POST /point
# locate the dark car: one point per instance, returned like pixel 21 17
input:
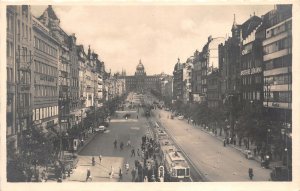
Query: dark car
pixel 105 124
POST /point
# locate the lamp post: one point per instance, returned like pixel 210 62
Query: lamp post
pixel 60 132
pixel 268 134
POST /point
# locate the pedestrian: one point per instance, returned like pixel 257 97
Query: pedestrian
pixel 132 152
pixel 88 175
pixel 138 152
pixel 136 163
pixel 250 172
pixel 145 179
pixel 127 167
pixel 121 145
pixel 111 174
pixel 100 159
pixel 137 117
pixel 224 142
pixel 93 161
pixel 120 174
pixel 128 143
pixel 133 173
pixel 115 144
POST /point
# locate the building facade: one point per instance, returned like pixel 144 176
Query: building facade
pixel 251 67
pixel 277 58
pixel 213 89
pixel 187 80
pixel 46 52
pixel 19 72
pixel 140 82
pixel 178 81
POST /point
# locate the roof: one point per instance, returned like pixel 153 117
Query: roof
pixel 140 66
pixel 248 26
pixel 50 12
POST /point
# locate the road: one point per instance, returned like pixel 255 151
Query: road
pixel 102 144
pixel 216 162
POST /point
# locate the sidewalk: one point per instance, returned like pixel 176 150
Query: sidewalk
pixel 221 138
pixel 111 157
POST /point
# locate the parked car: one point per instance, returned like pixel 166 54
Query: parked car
pixel 248 154
pixel 126 115
pixel 105 124
pixel 180 117
pixel 101 129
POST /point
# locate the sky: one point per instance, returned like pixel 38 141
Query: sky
pixel 157 34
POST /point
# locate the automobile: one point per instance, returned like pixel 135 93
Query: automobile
pixel 248 154
pixel 167 109
pixel 101 129
pixel 127 115
pixel 104 123
pixel 180 117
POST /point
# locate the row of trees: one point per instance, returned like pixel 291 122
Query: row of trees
pixel 41 147
pixel 247 121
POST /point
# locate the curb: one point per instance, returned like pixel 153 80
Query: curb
pixel 232 146
pixel 86 143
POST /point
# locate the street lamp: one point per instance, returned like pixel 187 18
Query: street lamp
pixel 268 134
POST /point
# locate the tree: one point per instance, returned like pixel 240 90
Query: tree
pixel 37 148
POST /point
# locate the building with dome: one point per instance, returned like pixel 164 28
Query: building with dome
pixel 140 82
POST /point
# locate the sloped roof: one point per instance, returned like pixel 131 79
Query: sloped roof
pixel 248 26
pixel 50 12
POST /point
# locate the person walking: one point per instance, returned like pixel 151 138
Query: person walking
pixel 138 152
pixel 132 152
pixel 100 159
pixel 127 167
pixel 250 172
pixel 88 175
pixel 115 144
pixel 120 174
pixel 111 174
pixel 121 145
pixel 128 143
pixel 93 161
pixel 133 173
pixel 145 179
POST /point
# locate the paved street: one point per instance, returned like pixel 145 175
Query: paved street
pixel 122 130
pixel 216 162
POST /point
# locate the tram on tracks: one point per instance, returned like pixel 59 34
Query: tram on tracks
pixel 176 167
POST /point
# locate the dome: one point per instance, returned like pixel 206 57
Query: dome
pixel 140 66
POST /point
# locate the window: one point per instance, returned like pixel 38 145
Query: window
pixel 37 114
pixel 23 29
pixel 26 33
pixel 30 34
pixel 33 115
pixel 7 49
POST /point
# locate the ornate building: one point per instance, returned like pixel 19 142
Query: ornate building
pixel 140 82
